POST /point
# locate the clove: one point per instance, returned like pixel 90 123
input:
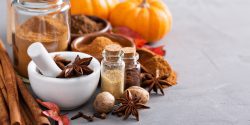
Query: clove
pixel 101 116
pixel 76 116
pixel 80 114
pixel 118 114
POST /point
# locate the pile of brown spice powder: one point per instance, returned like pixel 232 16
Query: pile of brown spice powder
pixel 81 24
pixel 96 47
pixel 153 62
pixel 157 62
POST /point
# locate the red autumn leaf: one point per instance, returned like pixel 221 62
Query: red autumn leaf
pixel 49 105
pixel 138 39
pixel 139 43
pixel 54 112
pixel 158 50
pixel 61 119
pixel 65 120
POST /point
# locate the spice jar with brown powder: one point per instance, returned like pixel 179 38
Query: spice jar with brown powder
pixel 112 70
pixel 132 67
pixel 39 21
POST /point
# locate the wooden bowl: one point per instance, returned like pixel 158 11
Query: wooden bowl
pixel 87 40
pixel 106 23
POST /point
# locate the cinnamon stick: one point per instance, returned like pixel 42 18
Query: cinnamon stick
pixel 32 104
pixel 26 114
pixel 4 93
pixel 11 88
pixel 8 64
pixel 4 116
pixel 25 106
pixel 2 86
pixel 25 119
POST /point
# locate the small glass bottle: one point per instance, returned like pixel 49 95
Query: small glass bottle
pixel 112 70
pixel 10 23
pixel 132 67
pixel 45 21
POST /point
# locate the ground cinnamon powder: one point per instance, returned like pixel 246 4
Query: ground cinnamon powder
pixel 153 62
pixel 53 33
pixel 81 24
pixel 157 62
pixel 96 47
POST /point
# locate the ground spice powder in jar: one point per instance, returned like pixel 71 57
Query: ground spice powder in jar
pixel 132 67
pixel 112 70
pixel 113 82
pixel 132 77
pixel 53 34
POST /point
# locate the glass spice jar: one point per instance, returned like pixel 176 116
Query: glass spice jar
pixel 132 67
pixel 45 21
pixel 112 70
pixel 9 22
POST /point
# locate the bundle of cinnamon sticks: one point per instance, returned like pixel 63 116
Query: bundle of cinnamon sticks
pixel 17 105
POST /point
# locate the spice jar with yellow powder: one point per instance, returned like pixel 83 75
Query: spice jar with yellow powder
pixel 39 21
pixel 112 70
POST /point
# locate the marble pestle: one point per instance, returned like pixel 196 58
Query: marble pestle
pixel 44 62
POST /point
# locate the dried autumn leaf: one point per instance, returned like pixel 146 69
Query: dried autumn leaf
pixel 61 119
pixel 49 105
pixel 65 120
pixel 139 41
pixel 157 50
pixel 54 112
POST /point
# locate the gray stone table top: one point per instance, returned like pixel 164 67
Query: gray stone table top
pixel 209 47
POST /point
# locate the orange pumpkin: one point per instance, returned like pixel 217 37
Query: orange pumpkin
pixel 150 18
pixel 100 8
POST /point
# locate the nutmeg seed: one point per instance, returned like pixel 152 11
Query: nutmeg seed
pixel 140 92
pixel 104 102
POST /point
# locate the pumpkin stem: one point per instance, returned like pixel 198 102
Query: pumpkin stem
pixel 144 4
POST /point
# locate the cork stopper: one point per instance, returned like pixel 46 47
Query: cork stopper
pixel 129 52
pixel 113 49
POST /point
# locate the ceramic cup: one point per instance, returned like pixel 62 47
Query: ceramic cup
pixel 67 93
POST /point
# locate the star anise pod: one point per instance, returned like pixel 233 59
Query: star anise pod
pixel 129 106
pixel 77 68
pixel 61 62
pixel 154 83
